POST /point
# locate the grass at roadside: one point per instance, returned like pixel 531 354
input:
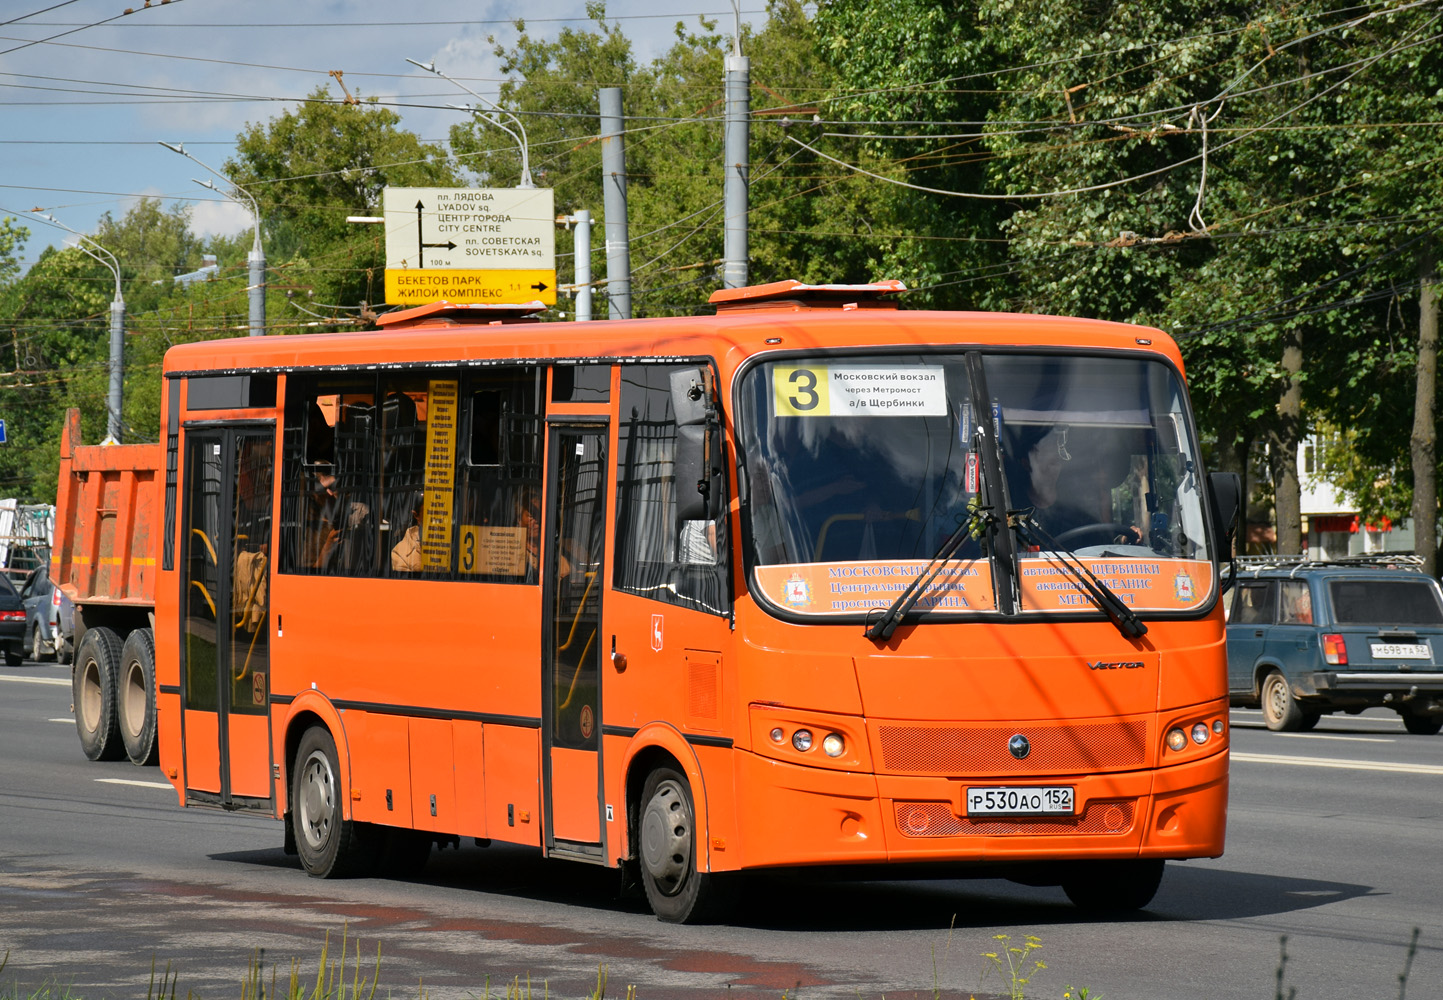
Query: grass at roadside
pixel 1011 966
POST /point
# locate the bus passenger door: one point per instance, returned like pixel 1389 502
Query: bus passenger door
pixel 573 579
pixel 225 630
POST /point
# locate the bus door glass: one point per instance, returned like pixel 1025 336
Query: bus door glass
pixel 225 651
pixel 573 580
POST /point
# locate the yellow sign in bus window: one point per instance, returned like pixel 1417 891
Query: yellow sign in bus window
pixel 441 412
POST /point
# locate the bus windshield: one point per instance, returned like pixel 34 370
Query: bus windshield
pixel 859 468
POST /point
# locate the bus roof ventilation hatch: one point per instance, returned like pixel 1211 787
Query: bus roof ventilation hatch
pixel 793 296
pixel 445 313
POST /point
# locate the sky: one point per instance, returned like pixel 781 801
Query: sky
pixel 88 93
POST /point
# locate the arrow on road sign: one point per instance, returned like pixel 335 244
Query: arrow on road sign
pixel 419 238
pixel 540 286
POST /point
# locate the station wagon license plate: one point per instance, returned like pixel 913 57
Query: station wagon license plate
pixel 1400 651
pixel 1031 800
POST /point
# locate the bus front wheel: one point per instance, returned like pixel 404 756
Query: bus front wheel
pixel 329 845
pixel 678 891
pixel 1113 886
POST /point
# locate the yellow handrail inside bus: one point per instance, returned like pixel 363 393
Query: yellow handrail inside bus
pixel 571 691
pixel 206 594
pixel 575 622
pixel 211 548
pixel 258 579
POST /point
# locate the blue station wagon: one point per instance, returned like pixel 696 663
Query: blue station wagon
pixel 1309 638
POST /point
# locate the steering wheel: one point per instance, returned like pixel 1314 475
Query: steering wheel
pixel 1098 533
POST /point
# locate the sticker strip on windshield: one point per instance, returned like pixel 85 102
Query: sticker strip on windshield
pixel 859 391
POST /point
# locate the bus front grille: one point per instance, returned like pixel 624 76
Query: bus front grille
pixel 936 819
pixel 982 750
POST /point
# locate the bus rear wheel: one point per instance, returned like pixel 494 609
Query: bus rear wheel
pixel 329 845
pixel 92 689
pixel 1113 886
pixel 677 890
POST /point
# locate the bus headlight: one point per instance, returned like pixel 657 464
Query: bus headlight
pixel 777 735
pixel 1200 733
pixel 1176 739
pixel 802 740
pixel 834 745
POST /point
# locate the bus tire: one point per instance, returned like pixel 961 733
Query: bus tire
pixel 329 845
pixel 135 698
pixel 1281 711
pixel 92 689
pixel 678 891
pixel 1113 886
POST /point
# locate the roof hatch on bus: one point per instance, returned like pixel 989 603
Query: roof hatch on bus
pixel 444 313
pixel 793 296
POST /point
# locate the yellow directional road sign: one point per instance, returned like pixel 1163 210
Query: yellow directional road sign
pixel 407 287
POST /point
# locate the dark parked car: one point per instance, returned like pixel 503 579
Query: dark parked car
pixel 12 623
pixel 1308 638
pixel 49 618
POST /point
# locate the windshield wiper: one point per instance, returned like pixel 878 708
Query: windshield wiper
pixel 978 517
pixel 1126 620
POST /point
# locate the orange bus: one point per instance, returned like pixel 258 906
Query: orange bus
pixel 816 581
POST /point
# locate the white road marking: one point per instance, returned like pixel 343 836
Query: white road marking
pixel 1339 763
pixel 68 722
pixel 59 681
pixel 1329 736
pixel 127 781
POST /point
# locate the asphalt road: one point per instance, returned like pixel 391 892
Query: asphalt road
pixel 1333 841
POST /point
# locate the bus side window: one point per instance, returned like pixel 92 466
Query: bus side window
pixel 402 472
pixel 653 559
pixel 498 478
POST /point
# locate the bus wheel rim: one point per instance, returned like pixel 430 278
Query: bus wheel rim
pixel 666 837
pixel 317 796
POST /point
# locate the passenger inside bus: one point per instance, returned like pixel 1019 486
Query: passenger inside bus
pixel 1039 477
pixel 406 553
pixel 1043 451
pixel 335 526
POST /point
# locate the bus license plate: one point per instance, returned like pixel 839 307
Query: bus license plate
pixel 1048 800
pixel 1401 651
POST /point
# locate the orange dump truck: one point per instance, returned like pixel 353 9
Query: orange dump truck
pixel 107 512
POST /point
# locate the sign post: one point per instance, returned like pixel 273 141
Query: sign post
pixel 465 245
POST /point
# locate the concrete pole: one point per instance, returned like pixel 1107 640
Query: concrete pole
pixel 581 250
pixel 613 184
pixel 257 289
pixel 738 170
pixel 117 368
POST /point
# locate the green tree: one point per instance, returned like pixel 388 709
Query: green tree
pixel 312 167
pixel 809 218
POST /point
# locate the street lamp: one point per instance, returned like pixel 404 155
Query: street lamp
pixel 257 256
pixel 117 329
pixel 491 119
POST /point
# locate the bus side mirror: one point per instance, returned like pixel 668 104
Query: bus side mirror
pixel 697 467
pixel 1225 491
pixel 690 400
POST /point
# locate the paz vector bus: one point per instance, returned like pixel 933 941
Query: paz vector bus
pixel 815 581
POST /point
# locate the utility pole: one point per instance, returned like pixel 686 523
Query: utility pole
pixel 581 251
pixel 256 289
pixel 613 183
pixel 116 367
pixel 738 166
